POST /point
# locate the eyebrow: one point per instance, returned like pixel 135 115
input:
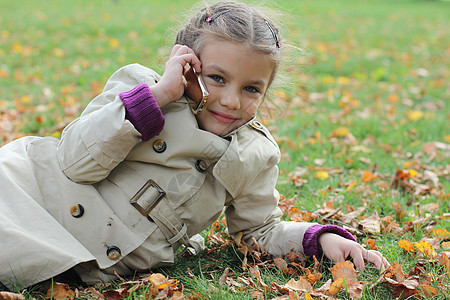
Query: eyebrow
pixel 223 71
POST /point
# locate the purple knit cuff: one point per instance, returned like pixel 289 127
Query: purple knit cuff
pixel 143 111
pixel 311 238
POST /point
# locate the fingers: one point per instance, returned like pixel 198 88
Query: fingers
pixel 377 259
pixel 358 258
pixel 183 55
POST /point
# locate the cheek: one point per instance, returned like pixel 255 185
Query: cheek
pixel 250 108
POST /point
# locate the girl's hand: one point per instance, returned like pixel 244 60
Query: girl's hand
pixel 171 87
pixel 337 248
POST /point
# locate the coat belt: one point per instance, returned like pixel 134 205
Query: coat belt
pixel 150 200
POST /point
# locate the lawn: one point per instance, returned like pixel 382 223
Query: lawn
pixel 360 112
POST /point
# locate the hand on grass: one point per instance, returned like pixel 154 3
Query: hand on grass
pixel 337 248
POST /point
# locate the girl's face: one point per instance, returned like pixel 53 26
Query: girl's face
pixel 237 79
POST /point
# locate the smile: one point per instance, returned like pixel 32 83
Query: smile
pixel 223 118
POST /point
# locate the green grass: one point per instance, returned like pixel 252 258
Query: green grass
pixel 359 57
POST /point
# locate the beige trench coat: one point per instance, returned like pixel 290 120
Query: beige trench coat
pixel 67 203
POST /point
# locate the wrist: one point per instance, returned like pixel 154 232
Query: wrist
pixel 162 96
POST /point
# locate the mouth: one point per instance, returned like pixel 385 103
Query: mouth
pixel 223 117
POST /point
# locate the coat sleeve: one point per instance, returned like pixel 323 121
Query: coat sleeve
pixel 96 142
pixel 255 213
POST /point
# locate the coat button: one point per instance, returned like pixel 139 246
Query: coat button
pixel 159 146
pixel 201 165
pixel 113 252
pixel 77 210
pixel 256 124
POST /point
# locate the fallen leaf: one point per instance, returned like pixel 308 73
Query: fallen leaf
pixel 399 212
pixel 11 296
pixel 115 294
pixel 367 176
pixel 322 175
pixel 372 244
pixel 426 248
pixel 340 132
pixel 406 245
pixel 298 285
pixel 346 271
pixel 335 287
pixel 60 291
pixel 371 224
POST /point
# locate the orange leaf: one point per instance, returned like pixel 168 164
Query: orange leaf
pixel 344 270
pixel 367 176
pixel 372 244
pixel 407 245
pixel 340 132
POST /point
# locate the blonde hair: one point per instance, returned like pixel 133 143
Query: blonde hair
pixel 236 22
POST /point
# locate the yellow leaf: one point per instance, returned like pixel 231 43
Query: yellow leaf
pixel 406 245
pixel 343 80
pixel 114 43
pixel 17 47
pixel 425 247
pixel 308 296
pixel 351 185
pixel 5 33
pixel 340 132
pixel 58 52
pixel 335 287
pixel 414 115
pixel 322 175
pixel 440 232
pixel 413 172
pixel 447 138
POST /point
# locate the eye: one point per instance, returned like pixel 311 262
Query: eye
pixel 216 78
pixel 251 89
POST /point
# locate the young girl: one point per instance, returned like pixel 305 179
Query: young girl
pixel 139 174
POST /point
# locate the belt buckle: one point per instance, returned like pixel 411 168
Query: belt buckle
pixel 146 206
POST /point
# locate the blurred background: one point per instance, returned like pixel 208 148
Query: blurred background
pixel 55 56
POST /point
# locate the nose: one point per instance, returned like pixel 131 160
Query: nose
pixel 230 99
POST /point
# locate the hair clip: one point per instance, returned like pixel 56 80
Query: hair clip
pixel 275 37
pixel 210 19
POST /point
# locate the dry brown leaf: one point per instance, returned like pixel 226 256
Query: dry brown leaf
pixel 11 296
pixel 115 294
pixel 346 271
pixel 223 278
pixel 371 224
pixel 399 212
pixel 280 263
pixel 60 291
pixel 429 292
pixel 298 285
pixel 257 274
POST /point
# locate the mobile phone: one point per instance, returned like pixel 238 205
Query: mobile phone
pixel 195 90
